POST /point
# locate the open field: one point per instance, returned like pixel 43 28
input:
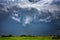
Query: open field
pixel 27 38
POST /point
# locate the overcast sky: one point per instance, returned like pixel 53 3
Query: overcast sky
pixel 29 17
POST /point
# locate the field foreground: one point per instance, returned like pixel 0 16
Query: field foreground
pixel 27 38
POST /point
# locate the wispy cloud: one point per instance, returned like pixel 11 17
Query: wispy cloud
pixel 27 20
pixel 16 19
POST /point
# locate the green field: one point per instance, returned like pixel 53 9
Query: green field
pixel 27 38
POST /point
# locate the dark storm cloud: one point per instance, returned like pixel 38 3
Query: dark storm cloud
pixel 9 26
pixel 56 2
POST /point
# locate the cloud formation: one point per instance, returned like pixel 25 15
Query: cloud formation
pixel 41 11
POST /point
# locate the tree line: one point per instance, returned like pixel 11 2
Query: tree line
pixel 53 36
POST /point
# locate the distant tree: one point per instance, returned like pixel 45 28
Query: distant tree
pixel 56 37
pixel 9 35
pixel 23 35
pixel 27 36
pixel 3 36
pixel 6 36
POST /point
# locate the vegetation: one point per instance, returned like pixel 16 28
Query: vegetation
pixel 56 37
pixel 6 36
pixel 26 38
pixel 29 37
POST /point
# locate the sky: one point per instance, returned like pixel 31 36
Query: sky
pixel 29 17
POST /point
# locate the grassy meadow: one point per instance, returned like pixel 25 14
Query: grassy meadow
pixel 28 38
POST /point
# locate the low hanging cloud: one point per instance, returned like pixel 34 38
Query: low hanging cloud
pixel 43 10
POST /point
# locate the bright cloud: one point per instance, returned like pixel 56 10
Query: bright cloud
pixel 27 20
pixel 16 19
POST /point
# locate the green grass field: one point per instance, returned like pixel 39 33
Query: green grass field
pixel 27 38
